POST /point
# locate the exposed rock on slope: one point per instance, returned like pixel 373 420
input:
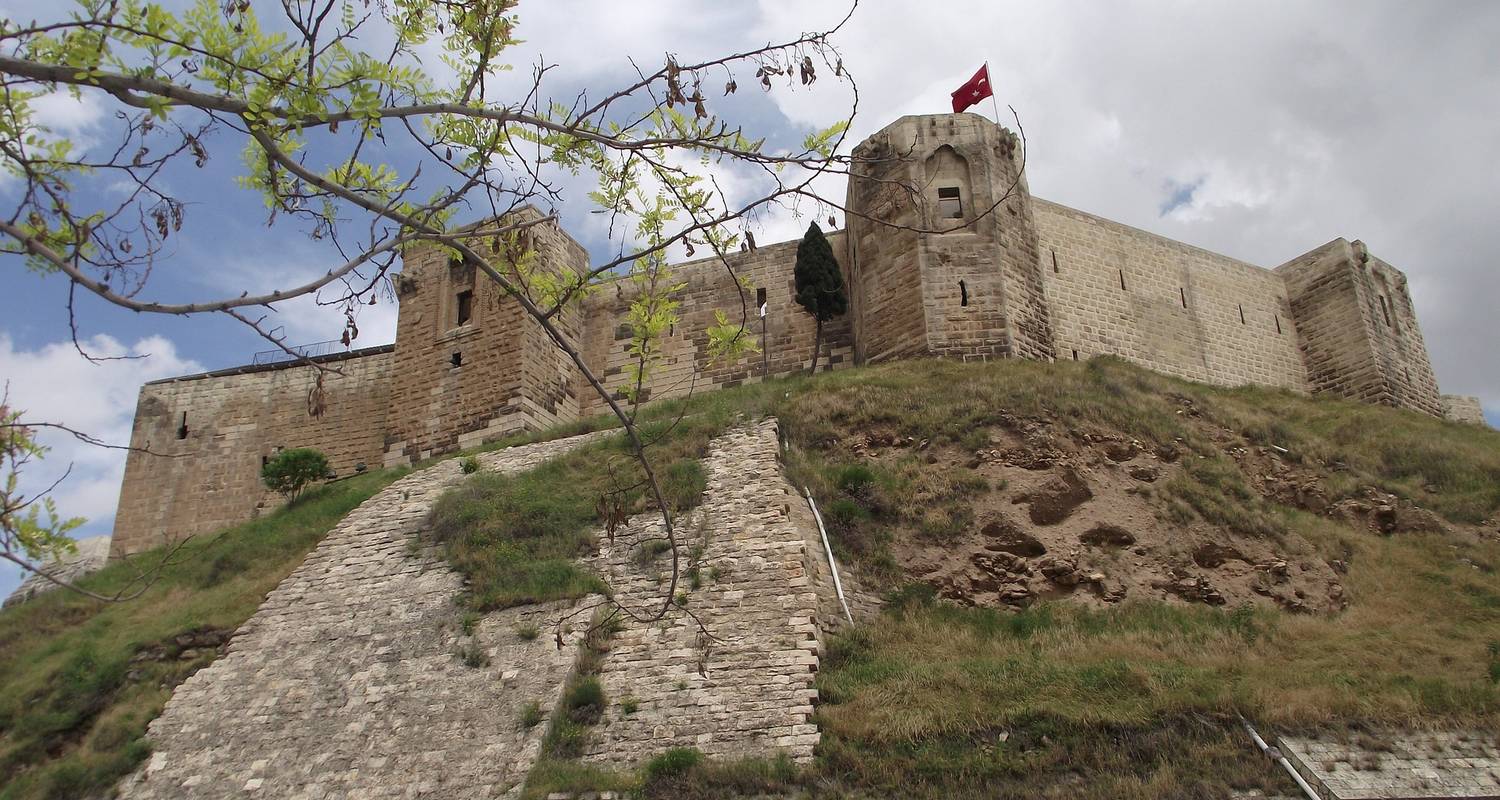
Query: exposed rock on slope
pixel 1075 514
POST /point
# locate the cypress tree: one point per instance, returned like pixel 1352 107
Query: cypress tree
pixel 819 284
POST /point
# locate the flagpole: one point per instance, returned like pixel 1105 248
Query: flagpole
pixel 991 79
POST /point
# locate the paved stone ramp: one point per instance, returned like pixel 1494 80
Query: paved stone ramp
pixel 1408 766
pixel 750 693
pixel 347 682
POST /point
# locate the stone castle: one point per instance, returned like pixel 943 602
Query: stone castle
pixel 937 259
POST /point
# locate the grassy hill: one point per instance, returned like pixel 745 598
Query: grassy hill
pixel 1372 598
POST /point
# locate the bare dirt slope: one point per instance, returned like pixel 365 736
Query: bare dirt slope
pixel 1072 511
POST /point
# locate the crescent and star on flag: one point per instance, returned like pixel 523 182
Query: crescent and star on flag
pixel 975 89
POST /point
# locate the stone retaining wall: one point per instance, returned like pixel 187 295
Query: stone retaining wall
pixel 743 684
pixel 347 682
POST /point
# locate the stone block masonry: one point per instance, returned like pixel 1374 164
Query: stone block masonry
pixel 1463 408
pixel 347 682
pixel 946 253
pixel 1390 765
pixel 742 685
pixel 200 441
pixel 1177 309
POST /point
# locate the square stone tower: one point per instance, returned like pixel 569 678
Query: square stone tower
pixel 470 365
pixel 942 248
pixel 1357 328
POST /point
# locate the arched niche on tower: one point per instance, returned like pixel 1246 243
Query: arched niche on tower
pixel 949 192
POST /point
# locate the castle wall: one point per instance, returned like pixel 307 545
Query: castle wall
pixel 1180 310
pixel 211 432
pixel 1395 336
pixel 946 253
pixel 883 256
pixel 1463 408
pixel 458 384
pixel 1357 328
pixel 709 287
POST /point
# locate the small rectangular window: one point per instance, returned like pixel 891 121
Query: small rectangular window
pixel 457 360
pixel 182 430
pixel 1075 355
pixel 963 294
pixel 950 203
pixel 1385 311
pixel 465 307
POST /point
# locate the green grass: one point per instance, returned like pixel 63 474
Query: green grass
pixel 517 538
pixel 1450 469
pixel 930 701
pixel 1140 700
pixel 72 717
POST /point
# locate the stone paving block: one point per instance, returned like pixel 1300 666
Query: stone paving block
pixel 347 682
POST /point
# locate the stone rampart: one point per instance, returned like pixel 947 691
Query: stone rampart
pixel 742 684
pixel 1172 307
pixel 471 366
pixel 1463 408
pixel 946 253
pixel 711 285
pixel 200 441
pixel 349 682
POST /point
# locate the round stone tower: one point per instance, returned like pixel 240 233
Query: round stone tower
pixel 942 248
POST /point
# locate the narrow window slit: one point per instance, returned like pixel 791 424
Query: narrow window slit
pixel 465 305
pixel 1385 311
pixel 1122 280
pixel 1277 317
pixel 1054 260
pixel 182 430
pixel 1181 292
pixel 1075 355
pixel 1242 314
pixel 963 293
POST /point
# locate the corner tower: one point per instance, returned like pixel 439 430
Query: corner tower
pixel 1357 328
pixel 942 247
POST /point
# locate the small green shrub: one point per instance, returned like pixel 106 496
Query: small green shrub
pixel 290 471
pixel 648 551
pixel 532 715
pixel 855 480
pixel 527 632
pixel 469 465
pixel 630 705
pixel 473 655
pixel 673 763
pixel 469 621
pixel 585 701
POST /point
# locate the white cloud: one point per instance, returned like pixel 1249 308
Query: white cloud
pixel 53 383
pixel 63 113
pixel 309 318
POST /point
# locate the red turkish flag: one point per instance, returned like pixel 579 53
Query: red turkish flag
pixel 975 90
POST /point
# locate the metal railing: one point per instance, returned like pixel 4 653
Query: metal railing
pixel 300 351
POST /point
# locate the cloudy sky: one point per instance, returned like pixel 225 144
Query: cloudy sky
pixel 1260 130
